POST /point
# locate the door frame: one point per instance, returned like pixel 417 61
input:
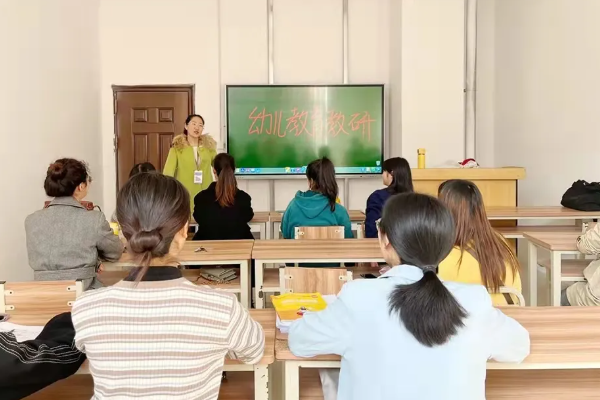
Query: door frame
pixel 116 89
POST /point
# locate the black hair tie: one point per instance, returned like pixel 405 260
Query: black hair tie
pixel 429 268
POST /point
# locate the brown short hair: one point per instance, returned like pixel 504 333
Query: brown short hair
pixel 64 175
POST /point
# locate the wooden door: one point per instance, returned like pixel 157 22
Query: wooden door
pixel 146 120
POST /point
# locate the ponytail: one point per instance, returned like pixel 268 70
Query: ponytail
pixel 420 230
pixel 226 187
pixel 427 310
pixel 321 173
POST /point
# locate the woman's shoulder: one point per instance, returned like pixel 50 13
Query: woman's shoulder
pixel 90 297
pixel 379 195
pixel 202 292
pixel 457 255
pixel 340 209
pixel 208 142
pixel 179 142
pixel 242 195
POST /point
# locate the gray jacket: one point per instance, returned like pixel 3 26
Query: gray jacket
pixel 65 242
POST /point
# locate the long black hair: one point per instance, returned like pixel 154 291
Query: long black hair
pixel 399 168
pixel 421 231
pixel 141 168
pixel 321 174
pixel 226 187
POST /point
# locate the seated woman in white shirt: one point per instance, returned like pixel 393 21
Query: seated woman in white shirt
pixel 408 335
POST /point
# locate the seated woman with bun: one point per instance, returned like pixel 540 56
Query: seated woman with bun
pixel 65 241
pixel 155 334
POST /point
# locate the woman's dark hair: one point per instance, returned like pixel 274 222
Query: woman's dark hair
pixel 189 119
pixel 321 174
pixel 399 168
pixel 226 188
pixel 475 234
pixel 421 231
pixel 141 168
pixel 151 209
pixel 64 175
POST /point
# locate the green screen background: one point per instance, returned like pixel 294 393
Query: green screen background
pixel 261 135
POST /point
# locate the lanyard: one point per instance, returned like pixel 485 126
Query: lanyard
pixel 197 158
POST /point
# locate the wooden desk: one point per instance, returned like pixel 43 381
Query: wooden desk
pixel 517 232
pixel 261 221
pixel 533 213
pixel 561 339
pixel 218 252
pixel 109 278
pixel 357 218
pixel 307 251
pixel 558 244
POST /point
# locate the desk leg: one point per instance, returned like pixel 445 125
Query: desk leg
pixel 259 280
pixel 276 229
pixel 261 382
pixel 360 231
pixel 533 263
pixel 245 284
pixel 268 234
pixel 291 380
pixel 555 278
pixel 263 231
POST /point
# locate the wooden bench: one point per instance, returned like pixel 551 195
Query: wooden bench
pixel 35 303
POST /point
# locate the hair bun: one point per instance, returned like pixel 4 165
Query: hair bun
pixel 57 170
pixel 145 241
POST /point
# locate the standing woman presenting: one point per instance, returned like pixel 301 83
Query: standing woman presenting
pixel 191 156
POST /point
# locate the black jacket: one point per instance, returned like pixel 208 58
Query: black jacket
pixel 222 223
pixel 32 365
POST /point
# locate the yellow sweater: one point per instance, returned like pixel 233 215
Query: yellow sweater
pixel 468 272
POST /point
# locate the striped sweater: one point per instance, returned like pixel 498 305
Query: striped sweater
pixel 165 338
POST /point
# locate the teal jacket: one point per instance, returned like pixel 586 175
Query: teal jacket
pixel 312 209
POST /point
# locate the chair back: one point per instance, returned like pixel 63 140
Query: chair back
pixel 311 280
pixel 35 303
pixel 513 293
pixel 319 232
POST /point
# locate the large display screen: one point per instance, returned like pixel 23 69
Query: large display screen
pixel 278 130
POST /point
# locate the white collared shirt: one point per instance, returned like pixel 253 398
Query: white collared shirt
pixel 381 360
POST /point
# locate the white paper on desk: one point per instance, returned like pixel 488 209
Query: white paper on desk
pixel 21 332
pixel 284 326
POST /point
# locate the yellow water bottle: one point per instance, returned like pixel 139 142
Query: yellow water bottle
pixel 421 158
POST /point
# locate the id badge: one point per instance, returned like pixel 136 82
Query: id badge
pixel 198 177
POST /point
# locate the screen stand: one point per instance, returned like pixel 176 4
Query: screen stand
pixel 346 192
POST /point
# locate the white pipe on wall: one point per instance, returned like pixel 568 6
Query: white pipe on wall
pixel 470 74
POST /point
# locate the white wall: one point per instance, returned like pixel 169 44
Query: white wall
pixel 546 93
pixel 225 42
pixel 49 108
pixel 433 60
pixel 485 81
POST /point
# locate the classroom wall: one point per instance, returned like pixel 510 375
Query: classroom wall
pixel 433 76
pixel 49 108
pixel 547 58
pixel 211 43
